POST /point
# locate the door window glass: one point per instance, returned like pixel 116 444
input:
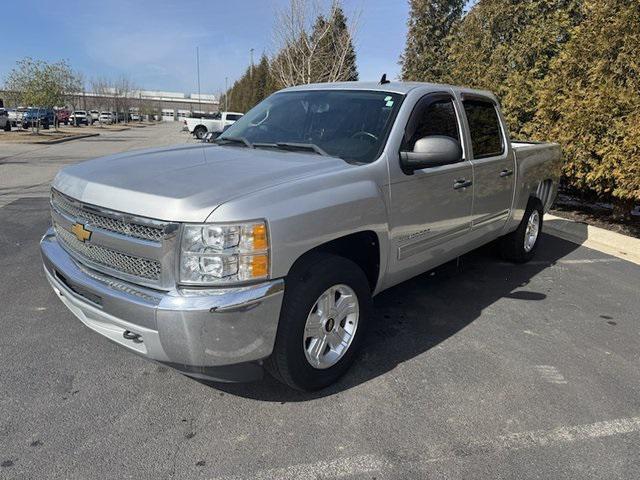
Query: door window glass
pixel 484 126
pixel 431 117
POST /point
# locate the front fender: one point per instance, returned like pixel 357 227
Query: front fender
pixel 306 213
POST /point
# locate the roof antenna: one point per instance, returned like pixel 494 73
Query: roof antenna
pixel 384 80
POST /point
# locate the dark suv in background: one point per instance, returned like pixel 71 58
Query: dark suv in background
pixel 46 117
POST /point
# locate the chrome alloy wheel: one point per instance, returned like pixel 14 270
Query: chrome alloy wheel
pixel 532 231
pixel 331 326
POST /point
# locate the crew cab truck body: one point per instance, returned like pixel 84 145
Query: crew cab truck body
pixel 265 249
pixel 199 126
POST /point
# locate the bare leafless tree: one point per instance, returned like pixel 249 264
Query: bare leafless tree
pixel 308 47
pixel 124 94
pixel 103 91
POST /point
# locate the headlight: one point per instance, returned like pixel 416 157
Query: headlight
pixel 224 253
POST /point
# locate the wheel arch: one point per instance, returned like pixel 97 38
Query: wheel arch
pixel 362 248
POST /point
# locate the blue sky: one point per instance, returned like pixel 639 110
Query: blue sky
pixel 153 41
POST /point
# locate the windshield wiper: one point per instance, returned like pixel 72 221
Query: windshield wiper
pixel 239 140
pixel 303 146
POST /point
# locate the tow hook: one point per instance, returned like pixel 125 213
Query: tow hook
pixel 135 337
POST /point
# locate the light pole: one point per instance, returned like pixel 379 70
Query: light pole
pixel 198 67
pixel 226 94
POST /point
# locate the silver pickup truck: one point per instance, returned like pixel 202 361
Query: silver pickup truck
pixel 264 249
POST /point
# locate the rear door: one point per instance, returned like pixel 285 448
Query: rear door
pixel 493 164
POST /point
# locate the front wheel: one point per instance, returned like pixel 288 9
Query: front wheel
pixel 325 310
pixel 520 246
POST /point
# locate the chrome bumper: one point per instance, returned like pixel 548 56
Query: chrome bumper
pixel 197 331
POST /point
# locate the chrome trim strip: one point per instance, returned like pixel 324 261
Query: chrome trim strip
pixel 113 241
pixel 162 251
pixel 109 271
pixel 492 217
pixel 114 214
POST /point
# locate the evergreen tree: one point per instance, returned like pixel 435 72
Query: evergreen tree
pixel 507 46
pixel 250 89
pixel 336 56
pixel 590 103
pixel 430 23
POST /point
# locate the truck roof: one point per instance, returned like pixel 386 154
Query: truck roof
pixel 394 87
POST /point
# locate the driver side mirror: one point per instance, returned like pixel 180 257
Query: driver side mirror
pixel 432 151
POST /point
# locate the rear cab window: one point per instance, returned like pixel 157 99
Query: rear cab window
pixel 485 129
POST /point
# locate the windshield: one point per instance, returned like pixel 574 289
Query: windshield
pixel 349 124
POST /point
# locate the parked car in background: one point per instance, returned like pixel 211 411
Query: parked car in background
pixel 135 117
pixel 106 118
pixel 62 116
pixel 16 115
pixel 5 123
pixel 201 125
pixel 265 250
pixel 79 117
pixel 45 117
pixel 94 116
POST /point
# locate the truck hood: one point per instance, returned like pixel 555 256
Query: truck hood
pixel 185 183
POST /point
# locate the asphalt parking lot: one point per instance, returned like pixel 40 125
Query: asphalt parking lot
pixel 481 369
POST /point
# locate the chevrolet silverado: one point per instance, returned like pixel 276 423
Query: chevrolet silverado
pixel 263 250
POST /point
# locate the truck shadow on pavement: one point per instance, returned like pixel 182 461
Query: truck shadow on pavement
pixel 419 314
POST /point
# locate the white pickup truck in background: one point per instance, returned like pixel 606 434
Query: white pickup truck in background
pixel 200 126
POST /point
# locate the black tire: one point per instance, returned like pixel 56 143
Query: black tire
pixel 512 245
pixel 199 132
pixel 7 126
pixel 306 282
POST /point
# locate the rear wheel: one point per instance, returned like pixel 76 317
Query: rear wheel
pixel 199 132
pixel 324 313
pixel 520 246
pixel 7 126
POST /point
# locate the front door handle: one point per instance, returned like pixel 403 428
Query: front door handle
pixel 506 173
pixel 462 183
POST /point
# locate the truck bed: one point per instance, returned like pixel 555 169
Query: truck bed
pixel 538 166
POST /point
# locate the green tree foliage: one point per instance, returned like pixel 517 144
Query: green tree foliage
pixel 590 102
pixel 335 59
pixel 254 85
pixel 41 84
pixel 507 46
pixel 430 23
pixel 565 70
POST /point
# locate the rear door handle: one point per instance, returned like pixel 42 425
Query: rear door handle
pixel 506 173
pixel 462 183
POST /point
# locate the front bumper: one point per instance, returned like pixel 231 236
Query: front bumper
pixel 217 334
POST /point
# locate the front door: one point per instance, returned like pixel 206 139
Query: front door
pixel 431 208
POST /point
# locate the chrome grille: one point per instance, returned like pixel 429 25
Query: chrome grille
pixel 137 266
pixel 128 228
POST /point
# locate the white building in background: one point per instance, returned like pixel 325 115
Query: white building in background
pixel 172 105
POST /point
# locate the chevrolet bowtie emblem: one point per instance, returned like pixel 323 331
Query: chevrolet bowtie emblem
pixel 80 232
